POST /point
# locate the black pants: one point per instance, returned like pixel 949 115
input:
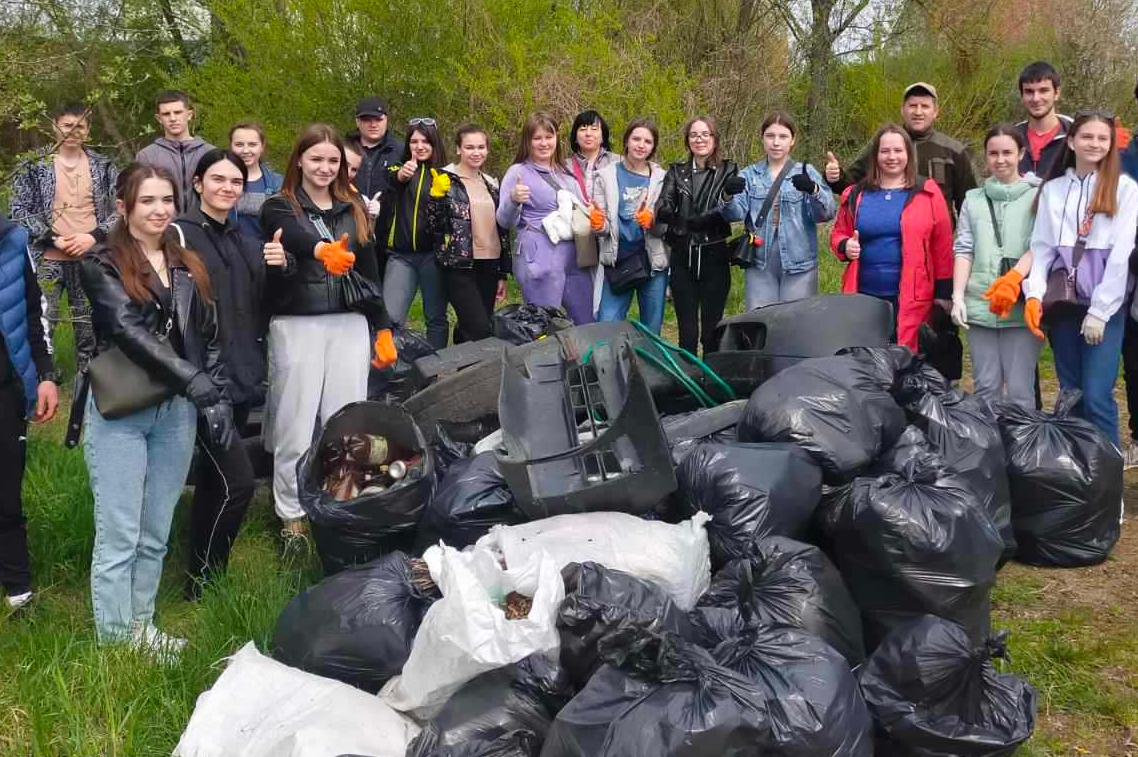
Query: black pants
pixel 15 566
pixel 470 291
pixel 699 293
pixel 1130 370
pixel 224 485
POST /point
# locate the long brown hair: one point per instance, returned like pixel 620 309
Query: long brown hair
pixel 714 160
pixel 341 188
pixel 1105 199
pixel 873 175
pixel 128 255
pixel 544 121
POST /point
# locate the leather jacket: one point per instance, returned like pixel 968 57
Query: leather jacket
pixel 132 326
pixel 677 205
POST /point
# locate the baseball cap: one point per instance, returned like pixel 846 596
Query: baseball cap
pixel 919 88
pixel 371 106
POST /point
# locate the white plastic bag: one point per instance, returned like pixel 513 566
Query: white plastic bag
pixel 466 632
pixel 262 708
pixel 674 557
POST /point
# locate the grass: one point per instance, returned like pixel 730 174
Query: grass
pixel 61 694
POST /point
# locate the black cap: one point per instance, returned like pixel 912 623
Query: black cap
pixel 371 106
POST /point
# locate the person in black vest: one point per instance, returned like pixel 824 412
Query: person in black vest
pixel 27 390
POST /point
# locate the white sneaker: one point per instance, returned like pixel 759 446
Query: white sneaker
pixel 146 637
pixel 1130 456
pixel 16 601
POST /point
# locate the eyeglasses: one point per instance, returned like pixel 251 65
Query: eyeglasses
pixel 1094 113
pixel 704 135
pixel 421 122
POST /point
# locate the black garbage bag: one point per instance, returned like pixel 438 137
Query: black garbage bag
pixel 751 491
pixel 784 583
pixel 660 696
pixel 487 715
pixel 398 382
pixel 470 500
pixel 815 707
pixel 836 408
pixel 598 600
pixel 933 692
pixel 448 449
pixel 912 541
pixel 356 626
pixel 359 530
pixel 524 323
pixel 714 424
pixel 1066 485
pixel 939 341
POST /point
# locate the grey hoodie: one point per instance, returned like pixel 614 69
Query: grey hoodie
pixel 180 159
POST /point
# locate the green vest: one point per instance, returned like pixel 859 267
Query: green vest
pixel 1012 204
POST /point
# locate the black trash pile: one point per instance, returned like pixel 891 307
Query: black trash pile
pixel 859 506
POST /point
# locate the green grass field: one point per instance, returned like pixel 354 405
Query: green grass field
pixel 60 694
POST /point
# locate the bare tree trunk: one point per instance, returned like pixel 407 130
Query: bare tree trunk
pixel 820 66
pixel 175 31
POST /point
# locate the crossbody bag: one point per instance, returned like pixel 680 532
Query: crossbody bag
pixel 746 248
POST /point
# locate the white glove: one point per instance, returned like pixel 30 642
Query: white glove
pixel 959 314
pixel 1092 330
pixel 373 205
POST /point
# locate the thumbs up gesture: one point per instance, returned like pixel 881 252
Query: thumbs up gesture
pixel 833 168
pixel 803 183
pixel 520 193
pixel 853 247
pixel 336 256
pixel 407 170
pixel 274 251
pixel 373 206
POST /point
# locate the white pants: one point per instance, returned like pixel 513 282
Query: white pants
pixel 317 364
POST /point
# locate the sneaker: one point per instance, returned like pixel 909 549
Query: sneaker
pixel 1130 456
pixel 145 637
pixel 18 601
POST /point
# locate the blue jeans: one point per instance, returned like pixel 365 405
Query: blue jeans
pixel 1091 369
pixel 138 466
pixel 406 272
pixel 649 296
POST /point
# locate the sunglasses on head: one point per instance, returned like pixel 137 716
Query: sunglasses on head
pixel 421 122
pixel 1094 113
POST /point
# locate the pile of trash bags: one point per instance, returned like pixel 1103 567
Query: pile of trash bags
pixel 816 583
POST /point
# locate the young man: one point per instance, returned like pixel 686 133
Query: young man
pixel 177 150
pixel 66 201
pixel 939 157
pixel 1045 130
pixel 354 155
pixel 1130 339
pixel 27 389
pixel 381 148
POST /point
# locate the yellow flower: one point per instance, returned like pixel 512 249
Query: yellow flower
pixel 440 183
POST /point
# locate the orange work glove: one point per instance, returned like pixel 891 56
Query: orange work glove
pixel 1033 314
pixel 645 217
pixel 385 352
pixel 1004 292
pixel 596 218
pixel 336 256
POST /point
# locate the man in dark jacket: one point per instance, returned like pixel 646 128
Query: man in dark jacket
pixel 381 148
pixel 177 150
pixel 939 157
pixel 27 389
pixel 1130 340
pixel 1045 130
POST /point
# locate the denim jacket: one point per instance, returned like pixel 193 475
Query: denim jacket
pixel 799 215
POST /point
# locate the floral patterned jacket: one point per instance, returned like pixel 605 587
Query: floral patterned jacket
pixel 33 194
pixel 448 218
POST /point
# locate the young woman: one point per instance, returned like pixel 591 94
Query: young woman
pixel 1086 210
pixel 589 142
pixel 624 218
pixel 697 234
pixel 546 270
pixel 318 349
pixel 785 238
pixel 143 284
pixel 896 236
pixel 404 229
pixel 237 265
pixel 473 250
pixel 993 232
pixel 247 141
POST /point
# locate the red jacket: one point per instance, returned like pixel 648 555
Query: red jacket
pixel 926 255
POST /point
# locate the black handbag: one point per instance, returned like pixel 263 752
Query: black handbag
pixel 364 296
pixel 747 244
pixel 629 272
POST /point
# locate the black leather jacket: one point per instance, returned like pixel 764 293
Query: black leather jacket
pixel 307 288
pixel 677 205
pixel 131 326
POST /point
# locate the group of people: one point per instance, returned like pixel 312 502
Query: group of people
pixel 229 284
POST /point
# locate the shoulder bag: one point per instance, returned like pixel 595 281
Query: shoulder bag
pixel 361 294
pixel 584 240
pixel 1006 263
pixel 1062 296
pixel 748 243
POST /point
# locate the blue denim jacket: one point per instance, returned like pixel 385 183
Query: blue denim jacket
pixel 799 215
